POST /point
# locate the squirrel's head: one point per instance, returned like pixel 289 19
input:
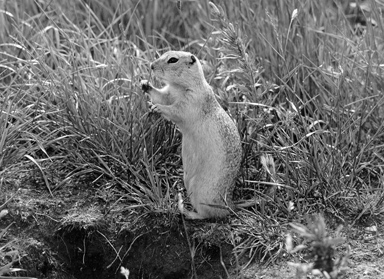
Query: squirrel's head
pixel 177 67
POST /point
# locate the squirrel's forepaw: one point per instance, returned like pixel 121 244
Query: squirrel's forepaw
pixel 154 108
pixel 145 85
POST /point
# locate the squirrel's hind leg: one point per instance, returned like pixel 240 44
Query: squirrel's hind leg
pixel 187 213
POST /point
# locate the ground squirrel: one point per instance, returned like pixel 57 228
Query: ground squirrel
pixel 211 147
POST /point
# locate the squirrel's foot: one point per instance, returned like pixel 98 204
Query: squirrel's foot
pixel 180 202
pixel 188 214
pixel 146 86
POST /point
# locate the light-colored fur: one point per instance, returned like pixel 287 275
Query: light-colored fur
pixel 211 148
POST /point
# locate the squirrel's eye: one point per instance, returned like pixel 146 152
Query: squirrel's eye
pixel 172 60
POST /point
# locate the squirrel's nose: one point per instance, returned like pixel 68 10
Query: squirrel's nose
pixel 151 66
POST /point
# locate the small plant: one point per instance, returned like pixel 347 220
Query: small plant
pixel 318 247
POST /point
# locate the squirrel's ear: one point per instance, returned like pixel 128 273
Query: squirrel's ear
pixel 193 60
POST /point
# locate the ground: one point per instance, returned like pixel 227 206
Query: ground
pixel 78 233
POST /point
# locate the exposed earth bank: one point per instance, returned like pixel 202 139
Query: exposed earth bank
pixel 79 232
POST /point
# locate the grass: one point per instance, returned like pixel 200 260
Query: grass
pixel 10 250
pixel 305 90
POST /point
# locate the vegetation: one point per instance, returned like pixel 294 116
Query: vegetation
pixel 321 250
pixel 302 79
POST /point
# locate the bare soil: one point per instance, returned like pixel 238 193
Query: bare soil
pixel 83 232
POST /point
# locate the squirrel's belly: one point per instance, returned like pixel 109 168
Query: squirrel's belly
pixel 203 161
